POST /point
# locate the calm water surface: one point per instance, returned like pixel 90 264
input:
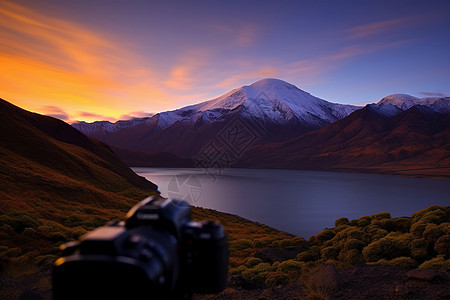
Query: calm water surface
pixel 298 202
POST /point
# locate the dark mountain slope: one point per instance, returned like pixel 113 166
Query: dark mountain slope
pixel 367 140
pixel 52 143
pixel 51 172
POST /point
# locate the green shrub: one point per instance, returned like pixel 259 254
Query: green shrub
pixel 341 221
pixel 311 255
pixel 442 246
pixel 241 244
pixel 401 262
pixel 375 233
pixel 19 221
pixel 259 272
pixel 290 266
pixel 351 257
pixel 349 233
pixel 433 214
pixel 292 242
pixel 432 233
pixel 419 249
pixel 418 228
pixel 438 263
pixel 385 248
pixel 263 242
pixel 237 271
pixel 445 227
pixel 354 244
pixel 381 216
pixel 329 253
pixel 253 261
pixel 322 237
pixel 363 221
pixel 353 222
pixel 277 278
pixel 401 224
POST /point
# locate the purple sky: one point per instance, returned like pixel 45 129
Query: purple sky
pixel 108 59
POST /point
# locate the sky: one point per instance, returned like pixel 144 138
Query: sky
pixel 91 60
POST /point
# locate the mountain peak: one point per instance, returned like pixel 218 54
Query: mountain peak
pixel 402 101
pixel 271 82
pixel 405 102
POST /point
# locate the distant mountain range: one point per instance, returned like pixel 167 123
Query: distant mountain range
pixel 278 109
pixel 273 124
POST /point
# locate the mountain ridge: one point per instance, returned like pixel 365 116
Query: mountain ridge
pixel 283 110
pixel 41 153
pixel 415 142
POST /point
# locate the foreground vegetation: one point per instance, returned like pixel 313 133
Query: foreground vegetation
pixel 30 244
pixel 419 241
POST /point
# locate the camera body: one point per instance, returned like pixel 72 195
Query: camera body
pixel 157 253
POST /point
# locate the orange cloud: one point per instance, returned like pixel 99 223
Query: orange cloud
pixel 190 70
pixel 46 60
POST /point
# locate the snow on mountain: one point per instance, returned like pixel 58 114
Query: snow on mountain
pixel 387 110
pixel 104 127
pixel 404 102
pixel 269 100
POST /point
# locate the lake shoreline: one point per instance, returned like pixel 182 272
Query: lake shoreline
pixel 298 202
pixel 399 171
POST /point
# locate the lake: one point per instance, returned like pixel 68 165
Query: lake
pixel 298 202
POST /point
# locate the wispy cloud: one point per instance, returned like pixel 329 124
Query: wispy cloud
pixel 382 27
pixel 94 116
pixel 432 94
pixel 188 70
pixel 55 112
pixel 241 34
pixel 136 114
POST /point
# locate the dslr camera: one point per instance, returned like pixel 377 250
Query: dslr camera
pixel 157 253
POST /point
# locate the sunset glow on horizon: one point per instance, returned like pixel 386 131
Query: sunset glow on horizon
pixel 110 60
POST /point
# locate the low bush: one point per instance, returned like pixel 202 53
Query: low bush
pixel 402 262
pixel 290 267
pixel 320 238
pixel 329 253
pixel 381 216
pixel 311 255
pixel 341 221
pixel 442 246
pixel 253 261
pixel 259 273
pixel 438 263
pixel 432 233
pixel 433 214
pixel 363 221
pixel 351 257
pixel 385 248
pixel 419 249
pixel 277 278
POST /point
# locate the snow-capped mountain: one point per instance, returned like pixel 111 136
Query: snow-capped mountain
pixel 405 102
pixel 277 109
pixel 269 100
